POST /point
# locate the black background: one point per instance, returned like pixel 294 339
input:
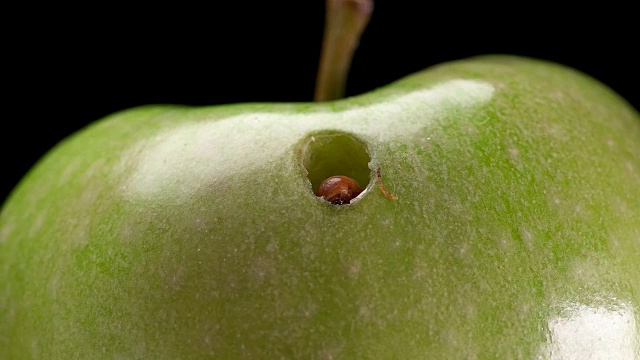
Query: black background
pixel 67 67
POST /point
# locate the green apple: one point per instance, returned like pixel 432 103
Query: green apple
pixel 173 232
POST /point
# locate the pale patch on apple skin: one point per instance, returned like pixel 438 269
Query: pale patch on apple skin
pixel 353 270
pixel 364 311
pixel 527 238
pixel 622 207
pixel 263 270
pixel 632 170
pixel 559 95
pixel 35 349
pixel 463 252
pixel 557 200
pixel 309 251
pixel 514 153
pixel 68 171
pixel 421 270
pixel 181 159
pixel 128 232
pixel 505 240
pixel 7 229
pixel 211 338
pixel 331 351
pixel 93 170
pixel 89 196
pixel 80 226
pixel 54 285
pixel 470 311
pixel 40 219
pixel 555 131
pixel 176 280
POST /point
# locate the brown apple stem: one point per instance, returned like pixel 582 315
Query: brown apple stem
pixel 344 24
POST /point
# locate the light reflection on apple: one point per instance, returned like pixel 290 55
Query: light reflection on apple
pixel 593 332
pixel 173 162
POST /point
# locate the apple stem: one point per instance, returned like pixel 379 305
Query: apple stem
pixel 344 24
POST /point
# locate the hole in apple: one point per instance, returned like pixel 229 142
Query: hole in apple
pixel 337 166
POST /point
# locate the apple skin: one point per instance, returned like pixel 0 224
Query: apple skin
pixel 169 232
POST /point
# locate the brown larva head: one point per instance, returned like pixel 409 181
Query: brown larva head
pixel 339 190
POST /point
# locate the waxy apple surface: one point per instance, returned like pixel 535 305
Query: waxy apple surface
pixel 171 232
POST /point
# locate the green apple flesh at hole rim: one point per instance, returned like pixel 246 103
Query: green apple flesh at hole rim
pixel 181 232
